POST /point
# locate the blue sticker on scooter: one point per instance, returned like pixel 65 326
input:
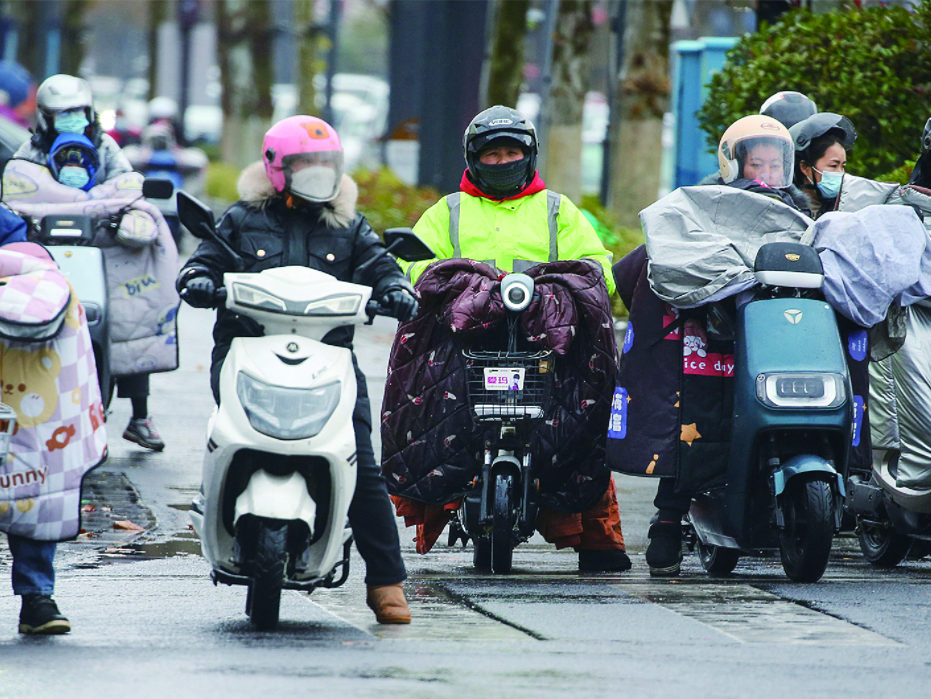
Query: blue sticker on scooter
pixel 857 419
pixel 628 338
pixel 857 345
pixel 617 427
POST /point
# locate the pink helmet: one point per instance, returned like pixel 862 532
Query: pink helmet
pixel 303 156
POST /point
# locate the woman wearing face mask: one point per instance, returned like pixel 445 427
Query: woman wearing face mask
pixel 297 207
pixel 65 104
pixel 821 145
pixel 65 110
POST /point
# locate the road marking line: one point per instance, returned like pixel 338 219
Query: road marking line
pixel 436 616
pixel 750 615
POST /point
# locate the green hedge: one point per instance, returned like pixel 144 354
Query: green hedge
pixel 873 65
pixel 389 203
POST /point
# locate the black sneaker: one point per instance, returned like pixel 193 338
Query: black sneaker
pixel 40 615
pixel 141 431
pixel 664 554
pixel 607 561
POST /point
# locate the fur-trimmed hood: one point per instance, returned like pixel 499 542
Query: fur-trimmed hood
pixel 256 190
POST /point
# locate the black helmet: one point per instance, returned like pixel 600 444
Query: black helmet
pixel 498 122
pixel 789 108
pixel 804 132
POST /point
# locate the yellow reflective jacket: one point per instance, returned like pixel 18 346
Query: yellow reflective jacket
pixel 512 235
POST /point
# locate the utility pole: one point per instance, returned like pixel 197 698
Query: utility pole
pixel 333 31
pixel 188 15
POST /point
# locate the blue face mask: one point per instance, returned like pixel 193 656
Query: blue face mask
pixel 71 122
pixel 74 177
pixel 829 186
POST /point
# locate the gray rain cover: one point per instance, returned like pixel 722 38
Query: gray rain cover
pixel 702 241
pixel 871 258
pixel 900 393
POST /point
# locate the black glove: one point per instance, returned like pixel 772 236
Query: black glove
pixel 200 292
pixel 402 305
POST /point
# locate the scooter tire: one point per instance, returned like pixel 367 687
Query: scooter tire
pixel 481 554
pixel 503 519
pixel 268 570
pixel 716 559
pixel 805 542
pixel 882 545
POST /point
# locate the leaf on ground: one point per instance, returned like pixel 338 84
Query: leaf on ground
pixel 126 524
pixel 88 508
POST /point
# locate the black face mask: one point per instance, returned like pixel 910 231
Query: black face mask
pixel 499 181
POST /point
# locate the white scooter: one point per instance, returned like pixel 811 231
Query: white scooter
pixel 280 466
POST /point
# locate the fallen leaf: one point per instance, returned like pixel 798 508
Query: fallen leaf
pixel 126 524
pixel 88 508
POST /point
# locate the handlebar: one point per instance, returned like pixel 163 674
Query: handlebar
pixel 374 308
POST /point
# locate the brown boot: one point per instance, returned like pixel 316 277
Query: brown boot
pixel 388 603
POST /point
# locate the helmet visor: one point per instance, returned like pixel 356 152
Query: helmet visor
pixel 480 142
pixel 766 159
pixel 314 176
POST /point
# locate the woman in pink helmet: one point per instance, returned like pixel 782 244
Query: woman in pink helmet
pixel 297 207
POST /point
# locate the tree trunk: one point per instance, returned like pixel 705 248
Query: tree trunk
pixel 307 34
pixel 158 13
pixel 30 43
pixel 245 59
pixel 73 49
pixel 571 67
pixel 506 64
pixel 643 95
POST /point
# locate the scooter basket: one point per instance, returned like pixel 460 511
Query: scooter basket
pixel 508 385
pixel 7 428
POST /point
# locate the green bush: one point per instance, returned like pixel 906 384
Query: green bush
pixel 873 65
pixel 619 240
pixel 389 203
pixel 221 181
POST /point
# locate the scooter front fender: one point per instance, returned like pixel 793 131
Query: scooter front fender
pixel 805 463
pixel 277 497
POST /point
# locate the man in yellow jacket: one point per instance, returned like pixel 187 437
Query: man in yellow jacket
pixel 505 216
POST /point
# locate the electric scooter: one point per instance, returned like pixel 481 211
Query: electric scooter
pixel 508 387
pixel 792 425
pixel 69 240
pixel 892 501
pixel 279 470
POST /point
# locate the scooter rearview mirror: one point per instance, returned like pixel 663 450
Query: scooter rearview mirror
pixel 157 188
pixel 195 215
pixel 404 243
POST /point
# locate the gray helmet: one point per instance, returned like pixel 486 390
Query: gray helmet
pixel 59 93
pixel 804 132
pixel 926 137
pixel 495 123
pixel 789 107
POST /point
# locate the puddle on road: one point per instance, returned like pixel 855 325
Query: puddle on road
pixel 438 616
pixel 750 615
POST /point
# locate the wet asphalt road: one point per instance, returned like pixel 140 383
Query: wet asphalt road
pixel 148 622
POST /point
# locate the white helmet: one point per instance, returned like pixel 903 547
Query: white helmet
pixel 60 93
pixel 162 108
pixel 750 137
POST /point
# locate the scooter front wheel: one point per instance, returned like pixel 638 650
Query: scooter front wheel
pixel 805 542
pixel 503 518
pixel 268 575
pixel 882 545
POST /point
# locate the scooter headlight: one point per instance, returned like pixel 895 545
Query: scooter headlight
pixel 257 298
pixel 286 413
pixel 801 390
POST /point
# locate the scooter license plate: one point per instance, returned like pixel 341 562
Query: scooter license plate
pixel 504 378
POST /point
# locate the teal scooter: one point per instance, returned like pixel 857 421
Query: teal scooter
pixel 792 425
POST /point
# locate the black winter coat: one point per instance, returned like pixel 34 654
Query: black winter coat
pixel 266 233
